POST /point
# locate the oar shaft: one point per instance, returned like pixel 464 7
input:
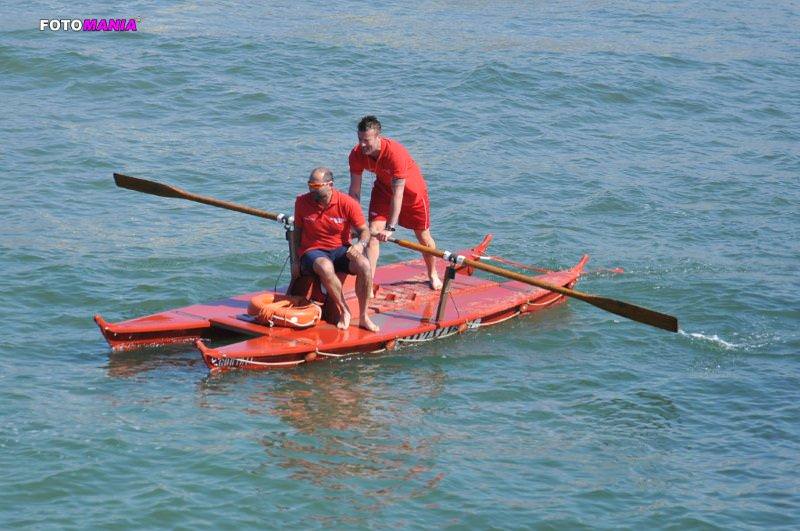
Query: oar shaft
pixel 232 206
pixel 624 309
pixel 513 275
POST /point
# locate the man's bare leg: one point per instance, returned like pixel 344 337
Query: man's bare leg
pixel 424 237
pixel 323 267
pixel 361 269
pixel 374 247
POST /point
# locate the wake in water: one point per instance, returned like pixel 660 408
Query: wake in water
pixel 714 340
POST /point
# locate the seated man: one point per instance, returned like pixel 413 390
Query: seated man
pixel 323 220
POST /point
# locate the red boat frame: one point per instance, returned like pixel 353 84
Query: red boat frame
pixel 403 306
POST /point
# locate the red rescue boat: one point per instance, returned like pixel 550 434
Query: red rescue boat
pixel 403 306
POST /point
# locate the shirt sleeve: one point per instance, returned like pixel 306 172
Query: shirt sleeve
pixel 356 165
pixel 398 162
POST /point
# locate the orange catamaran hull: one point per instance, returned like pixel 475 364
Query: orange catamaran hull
pixel 403 306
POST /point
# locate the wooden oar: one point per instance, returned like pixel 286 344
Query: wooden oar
pixel 624 309
pixel 165 190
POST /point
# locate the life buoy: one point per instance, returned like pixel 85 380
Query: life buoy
pixel 284 310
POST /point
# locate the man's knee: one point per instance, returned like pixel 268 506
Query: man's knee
pixel 323 267
pixel 376 226
pixel 360 265
pixel 423 235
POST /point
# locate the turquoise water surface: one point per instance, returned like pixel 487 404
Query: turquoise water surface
pixel 660 138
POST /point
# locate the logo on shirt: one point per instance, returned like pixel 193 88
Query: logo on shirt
pixel 338 221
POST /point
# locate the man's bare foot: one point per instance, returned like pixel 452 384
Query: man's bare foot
pixel 435 283
pixel 365 323
pixel 344 322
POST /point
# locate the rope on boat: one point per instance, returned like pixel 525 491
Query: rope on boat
pixel 455 305
pixel 482 324
pixel 334 355
pixel 268 363
pixel 544 303
pixel 278 278
pixel 329 354
pixel 294 363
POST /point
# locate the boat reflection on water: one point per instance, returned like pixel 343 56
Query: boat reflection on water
pixel 349 429
pixel 353 429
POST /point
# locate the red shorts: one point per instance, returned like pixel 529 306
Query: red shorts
pixel 414 215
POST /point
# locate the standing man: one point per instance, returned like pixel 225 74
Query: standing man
pixel 323 220
pixel 399 195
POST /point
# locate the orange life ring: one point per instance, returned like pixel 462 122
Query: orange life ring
pixel 284 310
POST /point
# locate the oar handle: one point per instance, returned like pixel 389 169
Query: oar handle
pixel 166 190
pixel 624 309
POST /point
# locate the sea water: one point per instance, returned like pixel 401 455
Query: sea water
pixel 660 138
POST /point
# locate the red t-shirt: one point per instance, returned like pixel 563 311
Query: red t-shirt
pixel 326 227
pixel 393 161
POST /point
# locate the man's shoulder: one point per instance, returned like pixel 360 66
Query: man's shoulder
pixel 347 203
pixel 303 199
pixel 394 147
pixel 344 199
pixel 392 143
pixel 355 152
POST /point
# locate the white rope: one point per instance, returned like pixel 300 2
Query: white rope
pixel 333 355
pixel 501 320
pixel 265 363
pixel 330 354
pixel 544 303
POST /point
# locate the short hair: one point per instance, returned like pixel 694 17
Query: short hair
pixel 369 122
pixel 327 174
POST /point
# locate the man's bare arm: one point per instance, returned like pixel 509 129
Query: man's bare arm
pixel 355 187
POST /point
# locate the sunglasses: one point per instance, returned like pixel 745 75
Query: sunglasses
pixel 317 186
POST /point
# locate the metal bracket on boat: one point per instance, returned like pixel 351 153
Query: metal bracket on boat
pixel 288 221
pixel 288 225
pixel 454 259
pixel 449 275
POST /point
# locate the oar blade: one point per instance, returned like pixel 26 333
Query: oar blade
pixel 148 187
pixel 634 312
